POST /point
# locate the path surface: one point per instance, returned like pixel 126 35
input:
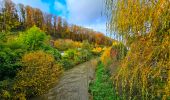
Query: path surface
pixel 73 85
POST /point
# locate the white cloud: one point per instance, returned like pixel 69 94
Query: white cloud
pixel 100 27
pixel 35 4
pixel 85 11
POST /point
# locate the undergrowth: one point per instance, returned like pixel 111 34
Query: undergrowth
pixel 102 88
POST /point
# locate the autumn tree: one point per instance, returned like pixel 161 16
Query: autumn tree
pixel 59 27
pixel 22 18
pixel 145 28
pixel 29 16
pixel 9 15
pixel 54 26
pixel 38 18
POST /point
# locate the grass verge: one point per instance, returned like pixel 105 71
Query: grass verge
pixel 102 87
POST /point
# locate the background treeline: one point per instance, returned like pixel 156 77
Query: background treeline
pixel 18 17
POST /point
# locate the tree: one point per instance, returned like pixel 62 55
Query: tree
pixel 9 16
pixel 59 27
pixel 29 17
pixel 55 26
pixel 144 26
pixel 38 18
pixel 22 13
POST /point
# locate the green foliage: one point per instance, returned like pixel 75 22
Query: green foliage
pixel 67 63
pixel 68 59
pixel 11 67
pixel 86 45
pixel 43 73
pixel 85 55
pixel 5 89
pixel 73 57
pixel 102 87
pixel 10 54
pixel 33 38
pixel 52 51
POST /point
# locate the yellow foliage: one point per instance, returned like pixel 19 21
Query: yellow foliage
pixel 5 94
pixel 115 43
pixel 65 44
pixel 97 50
pixel 145 70
pixel 144 26
pixel 39 73
pixel 106 57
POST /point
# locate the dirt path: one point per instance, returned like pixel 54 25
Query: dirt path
pixel 73 85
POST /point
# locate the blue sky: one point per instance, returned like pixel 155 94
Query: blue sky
pixel 86 13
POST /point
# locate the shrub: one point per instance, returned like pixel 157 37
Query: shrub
pixel 106 57
pixel 5 89
pixel 85 55
pixel 52 51
pixel 73 57
pixel 86 45
pixel 33 38
pixel 39 73
pixel 97 51
pixel 10 54
pixel 67 63
pixel 66 44
pixel 68 59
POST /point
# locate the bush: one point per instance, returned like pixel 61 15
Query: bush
pixel 67 63
pixel 5 89
pixel 85 55
pixel 39 73
pixel 66 44
pixel 106 57
pixel 10 54
pixel 97 51
pixel 73 57
pixel 33 38
pixel 86 45
pixel 52 51
pixel 68 59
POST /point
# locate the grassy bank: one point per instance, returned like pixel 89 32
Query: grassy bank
pixel 102 88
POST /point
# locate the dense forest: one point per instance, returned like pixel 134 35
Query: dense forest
pixel 18 17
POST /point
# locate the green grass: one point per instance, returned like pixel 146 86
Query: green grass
pixel 102 87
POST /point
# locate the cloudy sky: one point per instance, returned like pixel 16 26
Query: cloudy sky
pixel 86 13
